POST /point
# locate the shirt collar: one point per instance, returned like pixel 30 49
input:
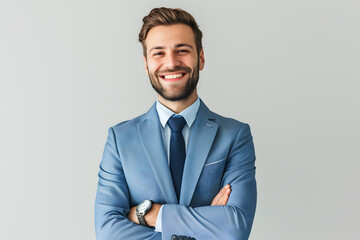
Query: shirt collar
pixel 189 113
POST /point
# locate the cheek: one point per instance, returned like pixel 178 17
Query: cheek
pixel 153 68
pixel 191 63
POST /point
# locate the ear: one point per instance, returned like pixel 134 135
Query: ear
pixel 146 68
pixel 201 59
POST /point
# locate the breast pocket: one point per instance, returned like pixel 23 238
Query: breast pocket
pixel 214 162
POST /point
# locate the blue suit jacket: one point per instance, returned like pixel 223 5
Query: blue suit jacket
pixel 134 167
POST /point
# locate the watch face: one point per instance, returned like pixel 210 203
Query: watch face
pixel 143 206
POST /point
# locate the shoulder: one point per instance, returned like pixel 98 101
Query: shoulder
pixel 230 125
pixel 128 123
pixel 127 126
pixel 131 125
pixel 225 123
pixel 125 131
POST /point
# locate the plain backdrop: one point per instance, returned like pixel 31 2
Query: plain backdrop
pixel 71 69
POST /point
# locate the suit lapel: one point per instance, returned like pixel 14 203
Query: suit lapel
pixel 201 139
pixel 151 139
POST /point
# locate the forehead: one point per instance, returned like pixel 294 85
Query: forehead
pixel 169 36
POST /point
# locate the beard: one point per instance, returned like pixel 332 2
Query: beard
pixel 187 89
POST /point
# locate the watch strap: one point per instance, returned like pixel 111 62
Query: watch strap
pixel 142 220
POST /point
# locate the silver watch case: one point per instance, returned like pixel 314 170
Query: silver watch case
pixel 143 207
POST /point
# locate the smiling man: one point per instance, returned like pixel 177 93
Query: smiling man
pixel 178 171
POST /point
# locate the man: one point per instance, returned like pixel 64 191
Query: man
pixel 178 171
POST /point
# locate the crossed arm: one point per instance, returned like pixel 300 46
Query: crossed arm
pixel 220 199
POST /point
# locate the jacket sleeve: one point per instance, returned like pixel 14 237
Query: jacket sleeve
pixel 112 202
pixel 233 221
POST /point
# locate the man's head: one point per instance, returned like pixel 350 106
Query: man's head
pixel 173 52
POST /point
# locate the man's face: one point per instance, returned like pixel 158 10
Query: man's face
pixel 172 62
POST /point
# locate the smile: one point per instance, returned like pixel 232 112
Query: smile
pixel 173 77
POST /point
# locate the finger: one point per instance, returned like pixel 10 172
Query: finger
pixel 222 201
pixel 216 198
pixel 219 196
pixel 224 198
pixel 220 193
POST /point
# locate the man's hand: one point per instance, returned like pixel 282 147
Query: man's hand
pixel 222 197
pixel 150 217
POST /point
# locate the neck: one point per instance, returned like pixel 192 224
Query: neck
pixel 179 106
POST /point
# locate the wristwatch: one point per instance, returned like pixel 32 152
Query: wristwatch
pixel 142 209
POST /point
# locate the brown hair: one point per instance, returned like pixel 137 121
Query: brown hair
pixel 169 16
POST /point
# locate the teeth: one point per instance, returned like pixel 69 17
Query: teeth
pixel 173 76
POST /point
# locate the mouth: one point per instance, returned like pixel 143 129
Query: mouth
pixel 172 77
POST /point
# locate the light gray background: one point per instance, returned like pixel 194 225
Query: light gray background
pixel 71 69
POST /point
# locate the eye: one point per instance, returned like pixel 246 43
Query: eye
pixel 158 53
pixel 183 51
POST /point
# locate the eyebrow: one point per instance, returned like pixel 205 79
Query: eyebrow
pixel 176 46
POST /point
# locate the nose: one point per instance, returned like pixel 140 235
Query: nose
pixel 171 61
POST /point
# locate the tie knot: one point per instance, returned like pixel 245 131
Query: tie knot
pixel 176 123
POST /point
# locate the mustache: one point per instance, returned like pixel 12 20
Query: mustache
pixel 175 69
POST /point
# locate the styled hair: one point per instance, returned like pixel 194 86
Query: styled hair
pixel 169 16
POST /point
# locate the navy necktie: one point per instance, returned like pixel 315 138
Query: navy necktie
pixel 177 151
